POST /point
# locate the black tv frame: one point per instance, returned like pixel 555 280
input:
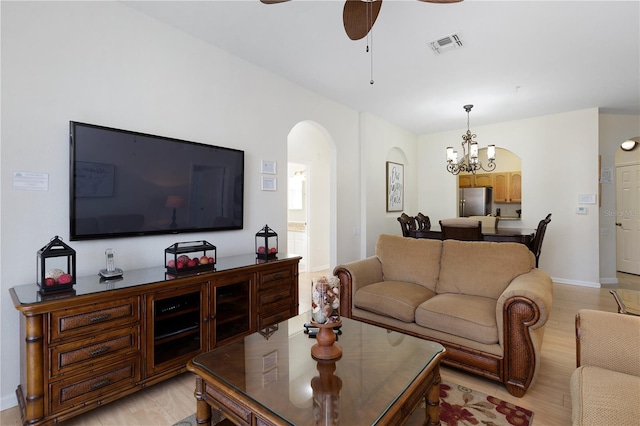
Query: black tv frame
pixel 237 188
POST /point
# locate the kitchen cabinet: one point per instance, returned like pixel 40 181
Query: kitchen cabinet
pixel 473 181
pixel 104 340
pixel 507 187
pixel 484 179
pixel 465 181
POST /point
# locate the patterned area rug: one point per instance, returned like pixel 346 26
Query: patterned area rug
pixel 460 406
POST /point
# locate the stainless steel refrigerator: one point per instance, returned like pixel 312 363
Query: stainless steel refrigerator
pixel 475 201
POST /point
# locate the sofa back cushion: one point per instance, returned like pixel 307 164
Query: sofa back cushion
pixel 409 259
pixel 481 268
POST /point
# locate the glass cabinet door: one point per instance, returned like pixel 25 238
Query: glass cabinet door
pixel 175 331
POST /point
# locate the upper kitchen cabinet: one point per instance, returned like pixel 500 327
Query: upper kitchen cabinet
pixel 507 187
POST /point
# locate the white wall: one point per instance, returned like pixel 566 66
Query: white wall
pixel 613 130
pixel 559 161
pixel 382 142
pixel 104 63
pixel 308 144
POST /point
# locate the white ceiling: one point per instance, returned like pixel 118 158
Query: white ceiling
pixel 520 58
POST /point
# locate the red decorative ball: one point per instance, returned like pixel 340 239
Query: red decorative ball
pixel 64 279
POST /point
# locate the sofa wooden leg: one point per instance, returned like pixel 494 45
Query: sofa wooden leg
pixel 515 390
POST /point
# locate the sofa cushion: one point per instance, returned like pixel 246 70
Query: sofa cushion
pixel 471 317
pixel 413 260
pixel 395 299
pixel 481 268
pixel 604 397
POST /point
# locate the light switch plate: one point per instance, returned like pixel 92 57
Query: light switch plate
pixel 587 199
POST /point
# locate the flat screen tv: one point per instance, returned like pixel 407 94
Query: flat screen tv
pixel 126 183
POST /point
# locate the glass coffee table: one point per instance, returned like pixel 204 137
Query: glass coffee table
pixel 270 378
pixel 628 301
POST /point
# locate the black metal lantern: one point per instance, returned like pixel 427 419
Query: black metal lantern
pixel 56 266
pixel 266 243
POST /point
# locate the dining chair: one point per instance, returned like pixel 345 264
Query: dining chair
pixel 489 223
pixel 461 228
pixel 536 244
pixel 424 223
pixel 407 224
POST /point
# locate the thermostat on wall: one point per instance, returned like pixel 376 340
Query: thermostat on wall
pixel 581 210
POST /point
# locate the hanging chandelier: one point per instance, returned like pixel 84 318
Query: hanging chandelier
pixel 469 161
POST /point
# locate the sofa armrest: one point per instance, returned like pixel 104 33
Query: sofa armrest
pixel 355 275
pixel 535 286
pixel 608 340
pixel 522 310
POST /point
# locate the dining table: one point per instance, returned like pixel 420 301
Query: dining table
pixel 499 235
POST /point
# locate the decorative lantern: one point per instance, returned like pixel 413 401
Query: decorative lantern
pixel 56 266
pixel 266 243
pixel 190 257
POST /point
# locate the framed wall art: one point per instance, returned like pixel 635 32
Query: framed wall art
pixel 268 183
pixel 268 167
pixel 395 187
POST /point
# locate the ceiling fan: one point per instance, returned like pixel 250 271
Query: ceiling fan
pixel 359 16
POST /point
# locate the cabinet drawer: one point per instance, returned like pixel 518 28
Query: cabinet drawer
pixel 276 278
pixel 81 354
pixel 93 318
pixel 282 313
pixel 265 298
pixel 97 383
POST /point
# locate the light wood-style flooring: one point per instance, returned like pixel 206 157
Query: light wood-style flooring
pixel 549 398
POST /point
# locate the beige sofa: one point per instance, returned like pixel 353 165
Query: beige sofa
pixel 605 388
pixel 484 301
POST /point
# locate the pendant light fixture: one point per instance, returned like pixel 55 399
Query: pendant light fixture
pixel 469 161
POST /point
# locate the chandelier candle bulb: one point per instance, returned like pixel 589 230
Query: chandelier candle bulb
pixel 491 152
pixel 474 150
pixel 450 154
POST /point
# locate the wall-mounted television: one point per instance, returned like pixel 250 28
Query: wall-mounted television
pixel 126 183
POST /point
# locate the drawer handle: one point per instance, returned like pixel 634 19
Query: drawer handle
pixel 99 318
pixel 100 384
pixel 100 351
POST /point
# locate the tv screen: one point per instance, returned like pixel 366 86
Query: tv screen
pixel 127 183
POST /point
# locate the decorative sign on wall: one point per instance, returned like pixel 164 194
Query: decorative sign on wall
pixel 395 187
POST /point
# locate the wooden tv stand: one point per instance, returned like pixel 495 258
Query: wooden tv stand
pixel 107 339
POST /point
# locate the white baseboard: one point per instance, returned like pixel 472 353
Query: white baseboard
pixel 320 268
pixel 574 282
pixel 608 281
pixel 8 401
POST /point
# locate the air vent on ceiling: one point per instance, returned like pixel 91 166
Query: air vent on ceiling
pixel 446 43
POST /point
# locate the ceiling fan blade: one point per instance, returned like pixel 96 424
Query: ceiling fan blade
pixel 441 1
pixel 359 16
pixel 273 1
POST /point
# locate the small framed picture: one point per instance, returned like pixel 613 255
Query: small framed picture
pixel 268 183
pixel 268 167
pixel 395 187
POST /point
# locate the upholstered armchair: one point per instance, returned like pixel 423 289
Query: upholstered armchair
pixel 605 388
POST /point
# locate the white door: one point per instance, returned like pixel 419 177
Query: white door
pixel 628 219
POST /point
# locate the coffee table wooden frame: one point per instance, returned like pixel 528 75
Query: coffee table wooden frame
pixel 240 409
